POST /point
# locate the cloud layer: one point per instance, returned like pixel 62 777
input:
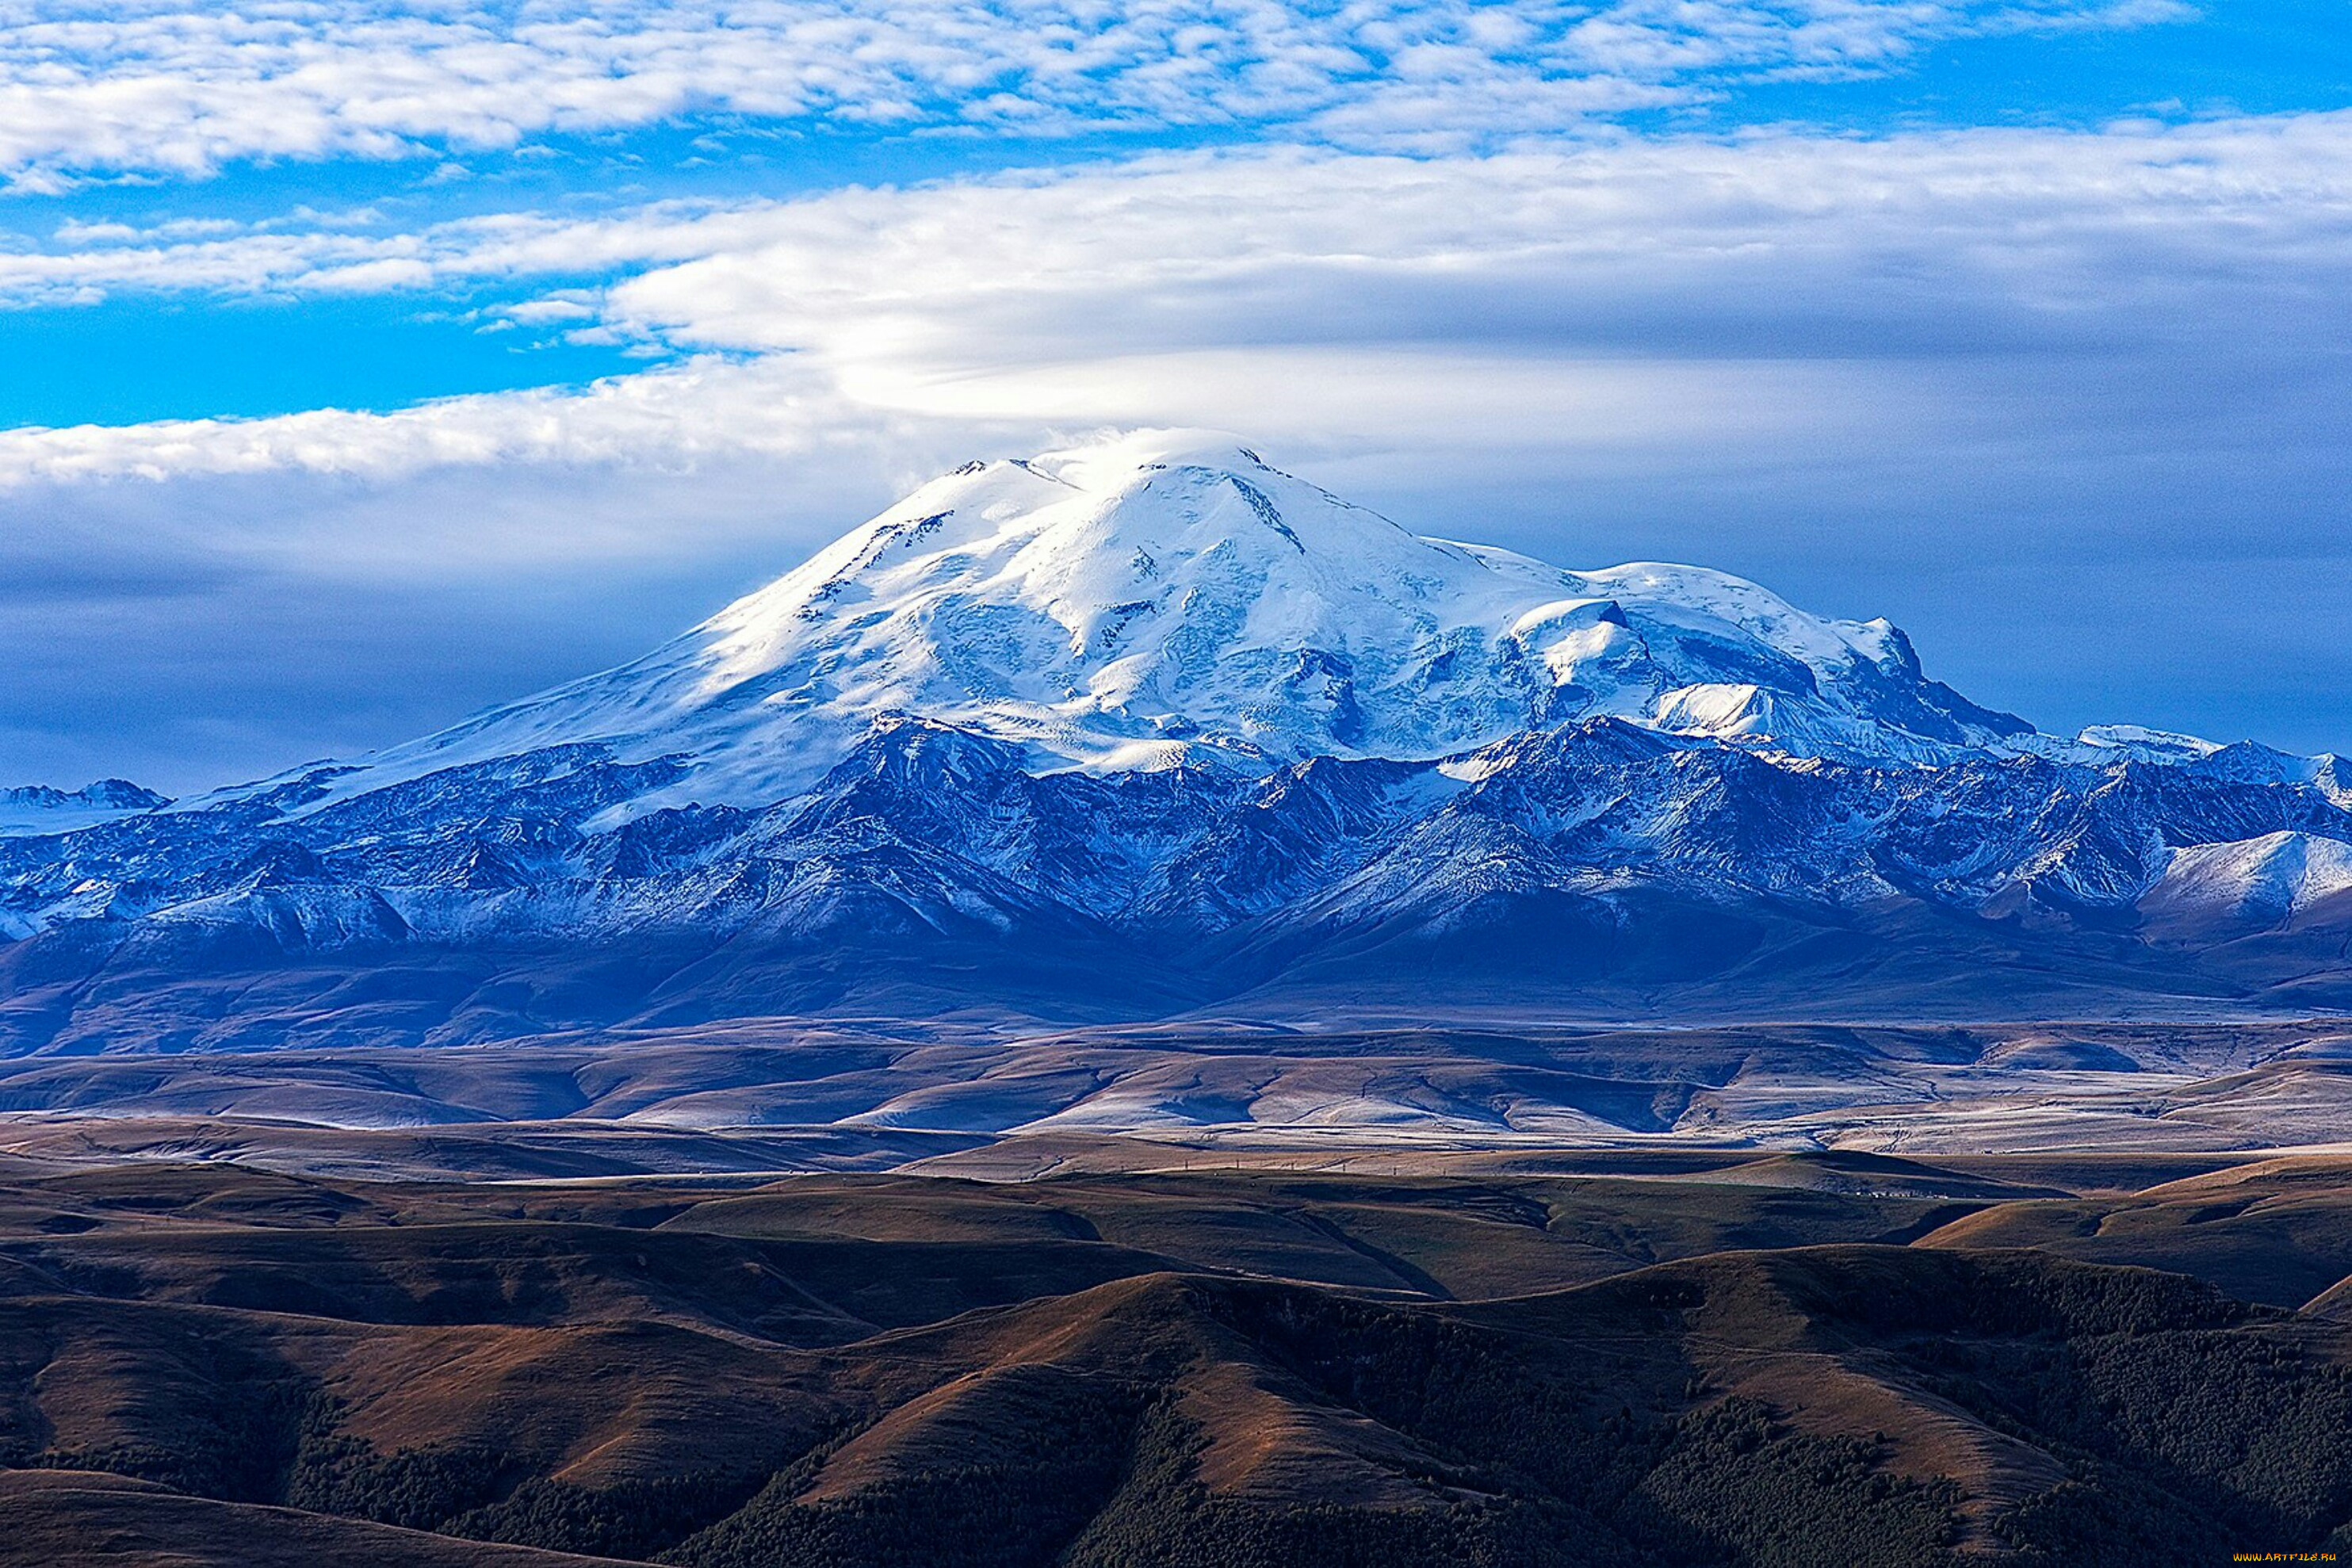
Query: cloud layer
pixel 2227 239
pixel 91 87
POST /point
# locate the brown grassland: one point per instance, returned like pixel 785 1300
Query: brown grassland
pixel 1671 1357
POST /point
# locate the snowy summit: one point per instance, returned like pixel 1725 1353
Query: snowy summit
pixel 1167 597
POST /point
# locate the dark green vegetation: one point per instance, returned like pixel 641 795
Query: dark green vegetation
pixel 1697 1360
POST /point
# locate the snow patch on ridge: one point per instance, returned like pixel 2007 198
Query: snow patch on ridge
pixel 2269 878
pixel 42 808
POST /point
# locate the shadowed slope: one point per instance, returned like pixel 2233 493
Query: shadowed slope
pixel 2276 1230
pixel 98 1520
pixel 1098 1371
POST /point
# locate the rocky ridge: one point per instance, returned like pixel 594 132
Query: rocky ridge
pixel 1150 724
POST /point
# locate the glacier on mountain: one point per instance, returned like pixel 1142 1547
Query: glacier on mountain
pixel 1169 599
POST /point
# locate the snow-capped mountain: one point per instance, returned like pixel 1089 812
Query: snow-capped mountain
pixel 40 808
pixel 1168 598
pixel 1149 724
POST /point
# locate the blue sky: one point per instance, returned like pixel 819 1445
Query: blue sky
pixel 369 363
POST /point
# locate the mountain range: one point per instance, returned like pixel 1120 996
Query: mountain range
pixel 1150 729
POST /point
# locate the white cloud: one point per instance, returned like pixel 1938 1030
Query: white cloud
pixel 1773 237
pixel 2138 320
pixel 673 417
pixel 717 411
pixel 88 87
pixel 2052 219
pixel 2233 235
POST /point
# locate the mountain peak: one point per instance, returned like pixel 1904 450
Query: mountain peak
pixel 1156 598
pixel 1114 459
pixel 1153 703
pixel 44 808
